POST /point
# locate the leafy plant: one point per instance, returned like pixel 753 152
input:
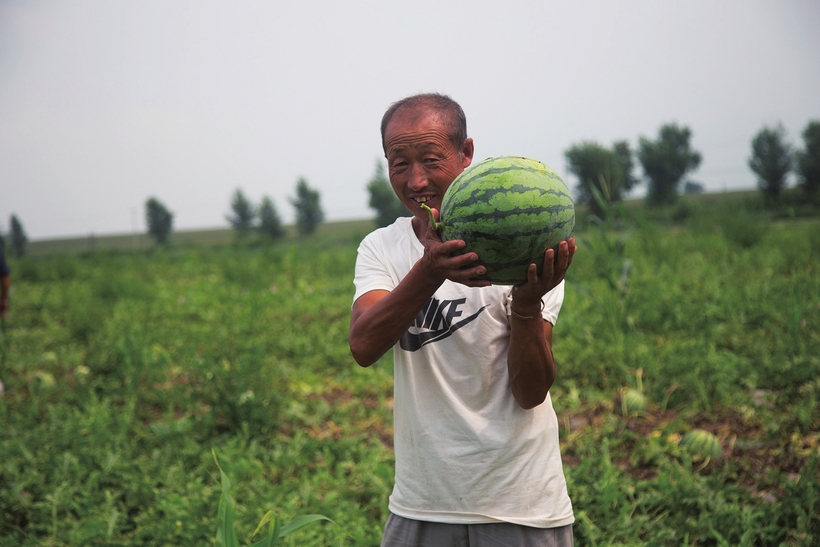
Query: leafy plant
pixel 226 534
pixel 612 230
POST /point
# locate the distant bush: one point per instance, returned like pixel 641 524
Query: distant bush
pixel 743 227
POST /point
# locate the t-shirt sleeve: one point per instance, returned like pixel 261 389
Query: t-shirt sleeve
pixel 552 303
pixel 372 272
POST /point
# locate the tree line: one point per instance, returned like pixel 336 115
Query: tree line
pixel 246 217
pixel 665 160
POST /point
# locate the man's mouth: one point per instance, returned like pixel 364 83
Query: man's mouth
pixel 422 199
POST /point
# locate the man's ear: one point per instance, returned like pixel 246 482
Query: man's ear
pixel 467 150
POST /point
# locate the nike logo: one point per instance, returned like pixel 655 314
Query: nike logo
pixel 435 322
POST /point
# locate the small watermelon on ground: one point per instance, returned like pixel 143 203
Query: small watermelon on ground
pixel 702 443
pixel 509 211
pixel 632 402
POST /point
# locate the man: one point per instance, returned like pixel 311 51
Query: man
pixel 475 434
pixel 5 283
pixel 5 286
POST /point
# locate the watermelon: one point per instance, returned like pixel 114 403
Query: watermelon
pixel 703 444
pixel 509 211
pixel 632 402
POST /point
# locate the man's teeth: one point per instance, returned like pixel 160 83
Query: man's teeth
pixel 424 199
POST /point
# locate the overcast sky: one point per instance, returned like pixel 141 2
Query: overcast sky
pixel 105 104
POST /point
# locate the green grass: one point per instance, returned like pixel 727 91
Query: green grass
pixel 125 369
pixel 141 241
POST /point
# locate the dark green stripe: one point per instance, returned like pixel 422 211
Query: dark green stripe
pixel 501 217
pixel 452 207
pixel 493 171
pixel 490 236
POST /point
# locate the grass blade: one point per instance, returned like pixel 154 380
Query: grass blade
pixel 273 530
pixel 225 532
pixel 301 522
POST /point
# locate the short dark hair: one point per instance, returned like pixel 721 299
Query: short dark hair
pixel 451 112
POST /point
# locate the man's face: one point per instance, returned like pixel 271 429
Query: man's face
pixel 421 159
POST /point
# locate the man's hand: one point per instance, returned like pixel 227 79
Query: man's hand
pixel 554 270
pixel 442 262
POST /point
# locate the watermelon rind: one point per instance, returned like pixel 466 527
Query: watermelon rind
pixel 508 210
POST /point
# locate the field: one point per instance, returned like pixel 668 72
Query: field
pixel 124 369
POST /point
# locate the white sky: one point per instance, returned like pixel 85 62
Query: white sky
pixel 105 104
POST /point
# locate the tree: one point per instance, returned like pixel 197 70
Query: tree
pixel 309 212
pixel 771 160
pixel 17 237
pixel 595 166
pixel 270 224
pixel 244 213
pixel 808 160
pixel 159 219
pixel 383 199
pixel 666 161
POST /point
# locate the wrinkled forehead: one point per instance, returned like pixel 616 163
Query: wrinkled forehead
pixel 416 129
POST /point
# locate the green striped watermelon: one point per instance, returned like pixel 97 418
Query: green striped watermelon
pixel 703 444
pixel 509 211
pixel 632 402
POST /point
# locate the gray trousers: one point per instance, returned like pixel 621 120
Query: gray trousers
pixel 402 532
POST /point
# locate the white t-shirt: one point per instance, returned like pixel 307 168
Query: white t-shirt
pixel 466 452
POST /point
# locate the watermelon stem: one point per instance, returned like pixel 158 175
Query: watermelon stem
pixel 435 224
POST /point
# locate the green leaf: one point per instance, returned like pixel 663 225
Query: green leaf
pixel 225 533
pixel 273 530
pixel 301 522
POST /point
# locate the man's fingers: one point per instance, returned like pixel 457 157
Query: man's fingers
pixel 549 264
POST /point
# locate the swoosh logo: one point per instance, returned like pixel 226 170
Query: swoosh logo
pixel 413 342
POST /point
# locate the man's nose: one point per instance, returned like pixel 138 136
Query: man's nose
pixel 418 178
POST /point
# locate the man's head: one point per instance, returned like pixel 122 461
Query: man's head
pixel 450 112
pixel 426 145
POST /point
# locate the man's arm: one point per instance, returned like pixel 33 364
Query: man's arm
pixel 379 318
pixel 530 362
